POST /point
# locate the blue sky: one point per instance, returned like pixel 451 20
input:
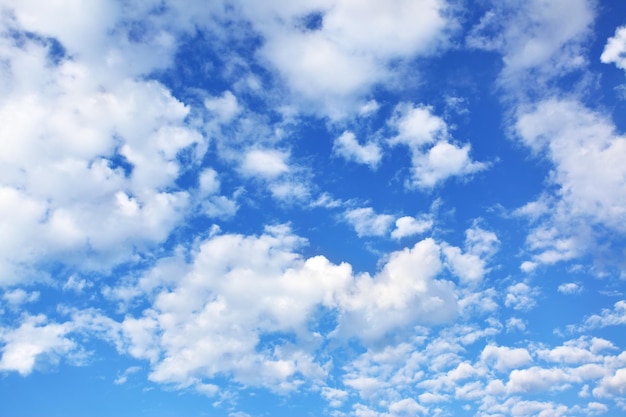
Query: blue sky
pixel 312 208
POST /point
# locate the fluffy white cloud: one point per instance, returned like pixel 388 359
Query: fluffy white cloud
pixel 404 292
pixel 265 163
pixel 406 407
pixel 615 49
pixel 89 175
pixel 335 397
pixel 503 358
pixel 434 157
pixel 614 384
pixel 347 147
pixel 409 226
pixel 16 297
pixel 570 288
pixel 471 266
pixel 225 107
pixel 34 340
pixel 209 317
pixel 609 317
pixel 535 35
pixel 367 223
pixel 331 65
pixel 442 161
pixel 521 296
pixel 417 126
pixel 536 379
pixel 587 155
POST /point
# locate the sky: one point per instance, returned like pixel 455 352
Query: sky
pixel 239 208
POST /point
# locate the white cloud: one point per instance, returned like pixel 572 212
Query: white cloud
pixel 503 358
pixel 536 379
pixel 572 352
pixel 265 163
pixel 367 223
pixel 238 289
pixel 347 147
pixel 368 108
pixel 442 161
pixel 34 340
pixel 521 296
pixel 609 317
pixel 417 126
pixel 515 323
pixel 225 107
pixel 467 266
pixel 587 155
pixel 406 407
pixel 335 397
pixel 15 298
pixel 409 226
pixel 570 288
pixel 614 384
pixel 535 35
pixel 615 49
pixel 90 168
pixel 434 157
pixel 471 266
pixel 331 67
pixel 209 182
pixel 124 376
pixel 404 292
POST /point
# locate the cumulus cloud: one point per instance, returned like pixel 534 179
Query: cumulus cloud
pixel 545 37
pixel 237 290
pixel 330 67
pixel 471 266
pixel 347 147
pixel 503 358
pixel 33 341
pixel 16 297
pixel 434 157
pixel 265 163
pixel 404 292
pixel 409 226
pixel 615 49
pixel 521 296
pixel 586 153
pixel 367 223
pixel 609 317
pixel 89 177
pixel 224 107
pixel 70 180
pixel 570 288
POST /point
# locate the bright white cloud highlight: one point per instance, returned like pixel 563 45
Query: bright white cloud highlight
pixel 409 226
pixel 330 67
pixel 434 158
pixel 535 35
pixel 587 155
pixel 615 49
pixel 570 288
pixel 265 163
pixel 347 147
pixel 367 223
pixel 238 289
pixel 34 340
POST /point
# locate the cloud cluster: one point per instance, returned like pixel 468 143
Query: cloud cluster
pixel 331 53
pixel 434 156
pixel 588 174
pixel 106 172
pixel 213 316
